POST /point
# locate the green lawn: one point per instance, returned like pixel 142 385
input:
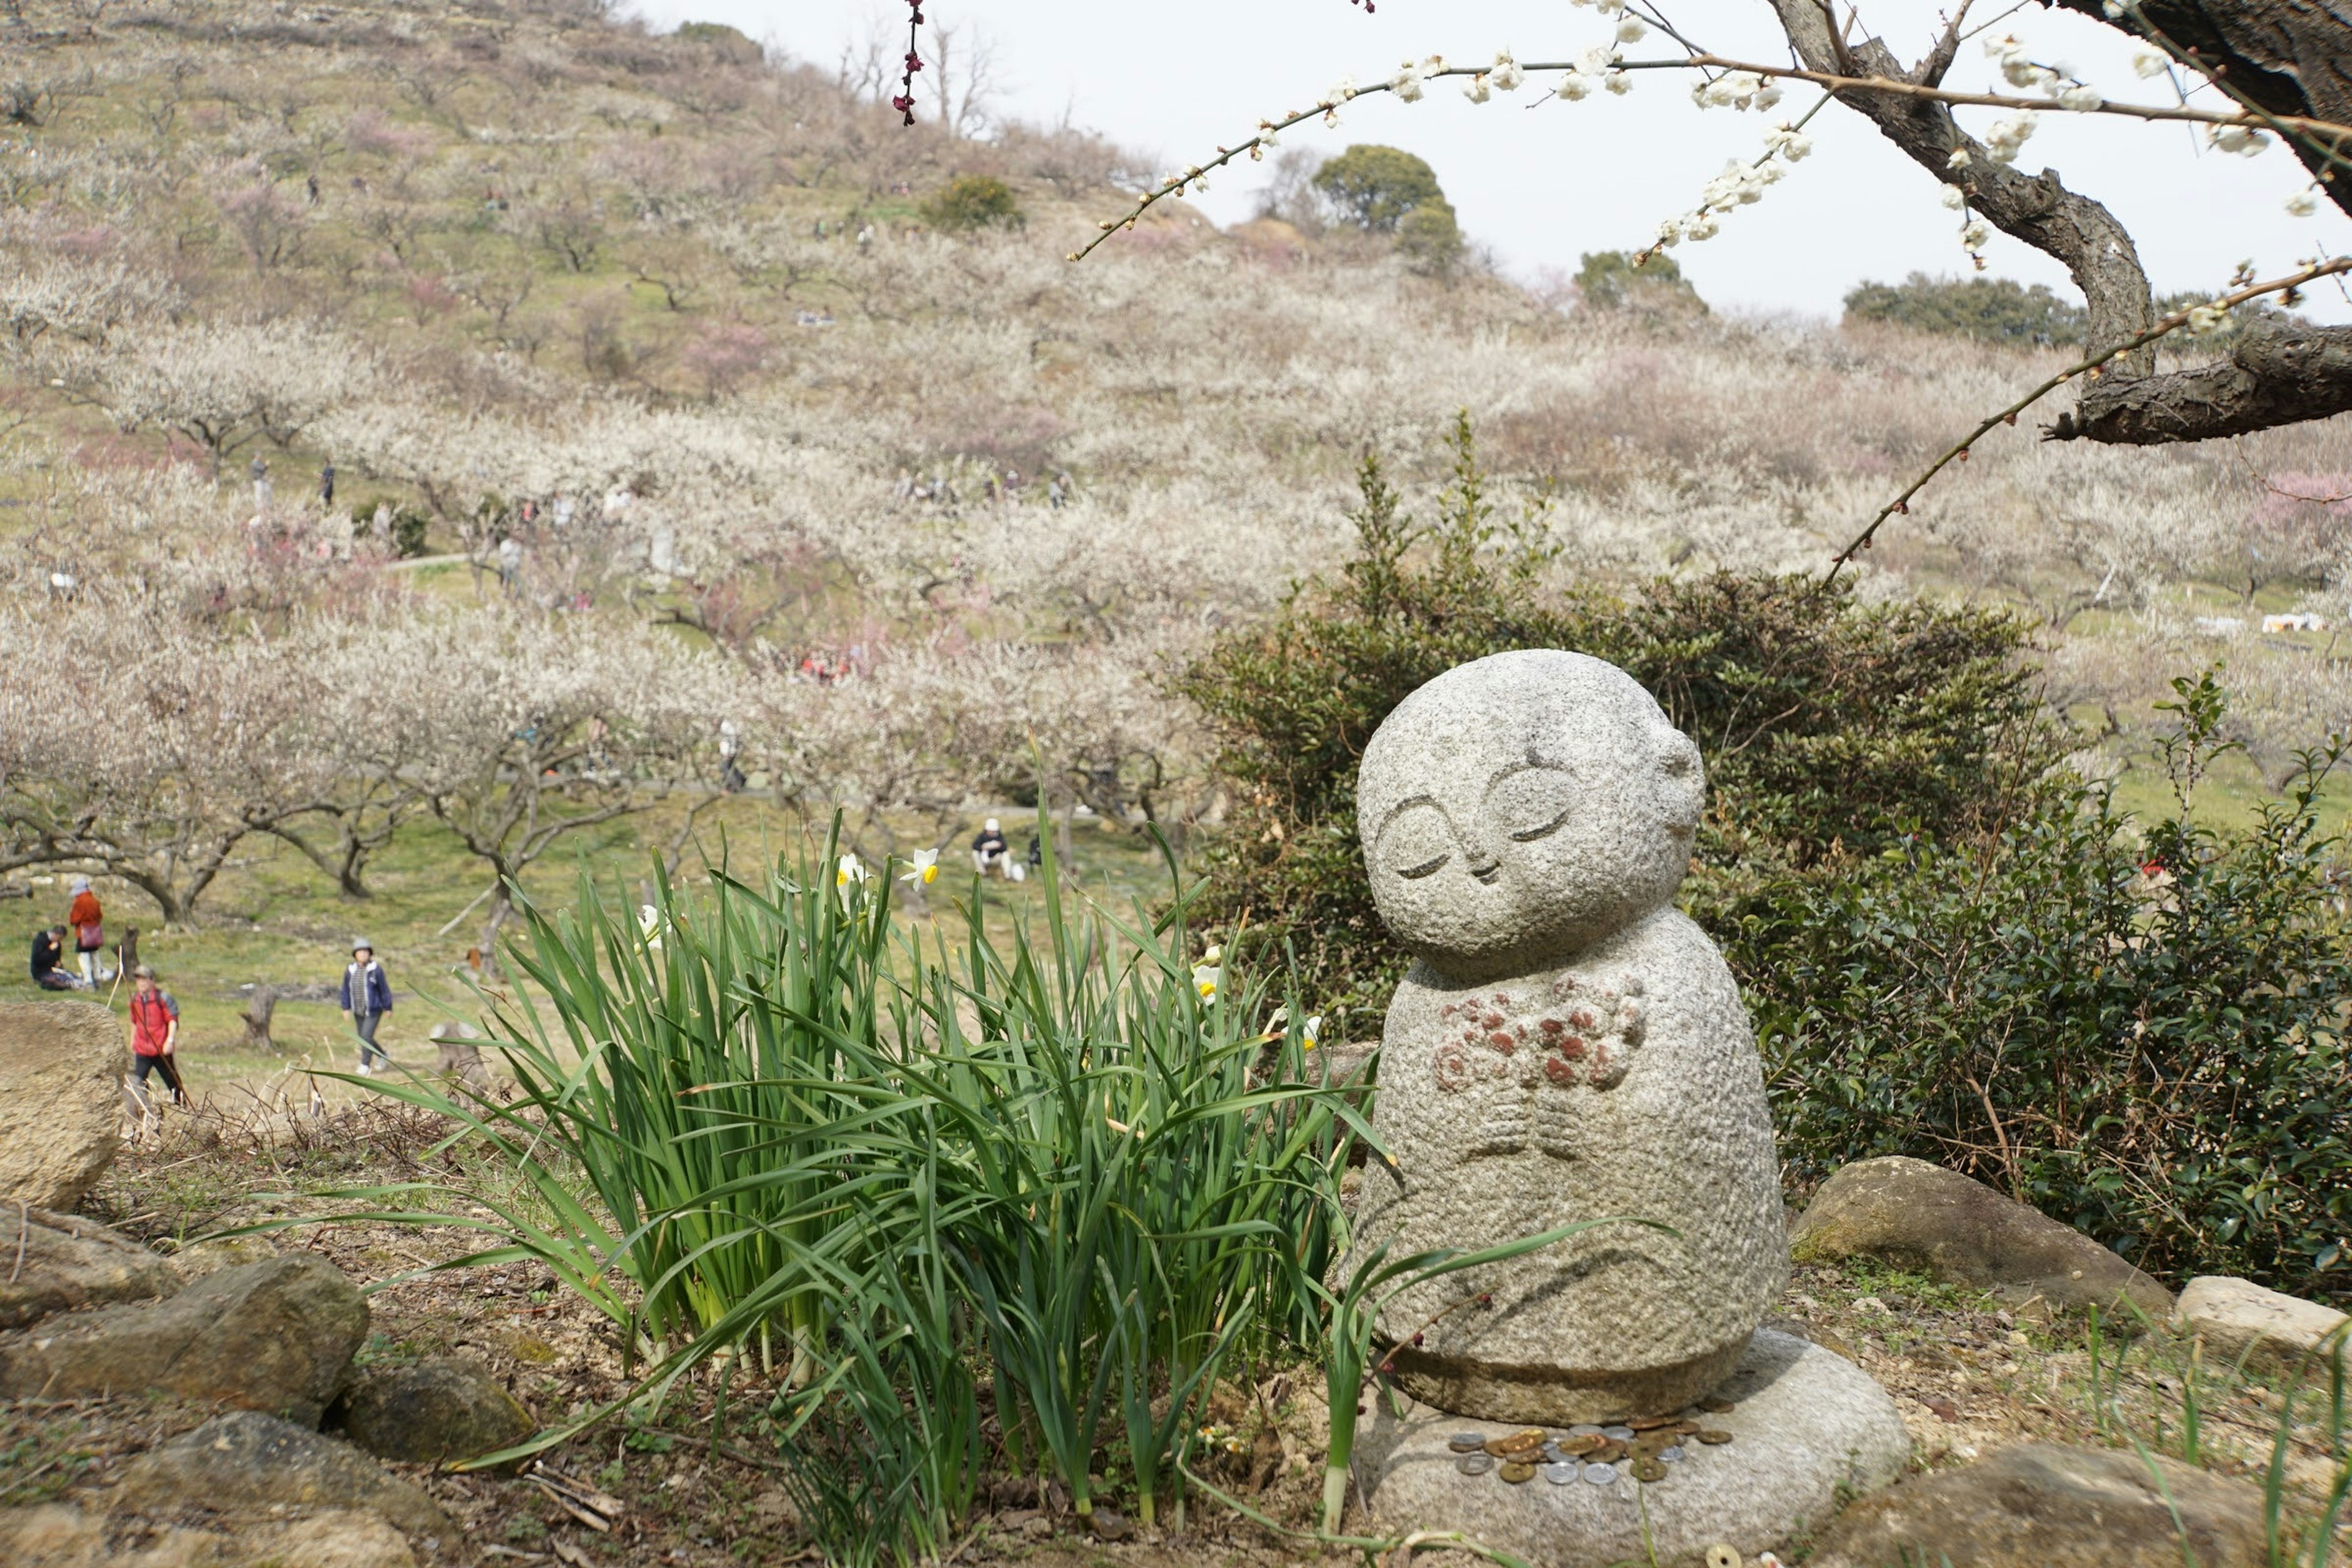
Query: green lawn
pixel 273 919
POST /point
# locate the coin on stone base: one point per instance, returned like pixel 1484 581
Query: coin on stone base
pixel 1648 1470
pixel 1466 1442
pixel 1716 1405
pixel 1721 1556
pixel 1576 1447
pixel 1560 1474
pixel 1650 1423
pixel 1518 1471
pixel 1601 1475
pixel 1715 1437
pixel 1475 1464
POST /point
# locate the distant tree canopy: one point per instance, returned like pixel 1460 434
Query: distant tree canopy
pixel 974 201
pixel 1999 309
pixel 1386 190
pixel 1609 281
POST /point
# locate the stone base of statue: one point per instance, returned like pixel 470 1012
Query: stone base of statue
pixel 1807 1429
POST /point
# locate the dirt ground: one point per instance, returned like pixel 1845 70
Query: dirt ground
pixel 1967 1376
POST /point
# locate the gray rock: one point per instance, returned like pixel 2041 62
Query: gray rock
pixel 438 1410
pixel 2260 1332
pixel 277 1335
pixel 1918 1216
pixel 340 1538
pixel 54 1535
pixel 2040 1503
pixel 1569 1048
pixel 61 1062
pixel 1806 1427
pixel 249 1463
pixel 56 1263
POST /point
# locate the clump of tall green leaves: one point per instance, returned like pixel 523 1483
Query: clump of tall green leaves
pixel 952 1201
pixel 2136 1026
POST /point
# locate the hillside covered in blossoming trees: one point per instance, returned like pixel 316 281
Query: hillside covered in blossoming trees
pixel 670 361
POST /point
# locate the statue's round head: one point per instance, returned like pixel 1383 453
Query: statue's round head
pixel 1522 806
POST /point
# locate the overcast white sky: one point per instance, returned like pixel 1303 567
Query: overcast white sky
pixel 1540 185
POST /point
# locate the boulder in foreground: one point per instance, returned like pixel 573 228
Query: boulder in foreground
pixel 61 1066
pixel 249 1463
pixel 2263 1333
pixel 277 1336
pixel 2042 1503
pixel 1914 1214
pixel 59 1263
pixel 438 1410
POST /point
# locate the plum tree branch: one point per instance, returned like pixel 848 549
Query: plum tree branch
pixel 2277 374
pixel 1958 452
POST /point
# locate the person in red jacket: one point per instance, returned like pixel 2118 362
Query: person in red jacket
pixel 89 923
pixel 155 1034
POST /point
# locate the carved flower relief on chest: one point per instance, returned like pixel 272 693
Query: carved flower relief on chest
pixel 1525 1059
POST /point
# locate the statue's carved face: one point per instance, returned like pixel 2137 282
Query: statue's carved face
pixel 1522 806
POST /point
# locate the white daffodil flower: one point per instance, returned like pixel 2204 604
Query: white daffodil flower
pixel 924 868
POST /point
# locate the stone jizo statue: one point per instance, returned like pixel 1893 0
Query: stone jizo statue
pixel 1569 1045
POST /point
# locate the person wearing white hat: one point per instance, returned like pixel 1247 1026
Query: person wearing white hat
pixel 367 997
pixel 987 849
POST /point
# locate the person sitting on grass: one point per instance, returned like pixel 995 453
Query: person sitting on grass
pixel 48 957
pixel 155 1036
pixel 987 849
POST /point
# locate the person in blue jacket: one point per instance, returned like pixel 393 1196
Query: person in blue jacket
pixel 367 997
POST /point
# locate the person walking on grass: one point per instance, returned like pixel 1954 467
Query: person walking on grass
pixel 154 1036
pixel 89 923
pixel 367 997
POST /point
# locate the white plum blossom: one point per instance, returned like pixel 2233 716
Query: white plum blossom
pixel 2303 203
pixel 2080 98
pixel 2242 139
pixel 1959 159
pixel 1736 88
pixel 2149 62
pixel 1670 232
pixel 1478 90
pixel 1955 197
pixel 2018 66
pixel 1575 87
pixel 1506 75
pixel 2008 135
pixel 1631 29
pixel 1407 83
pixel 1975 233
pixel 1789 142
pixel 1617 82
pixel 2207 318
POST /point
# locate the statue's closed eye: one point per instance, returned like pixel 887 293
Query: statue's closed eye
pixel 1417 842
pixel 1531 802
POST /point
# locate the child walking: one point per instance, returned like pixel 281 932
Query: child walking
pixel 154 1036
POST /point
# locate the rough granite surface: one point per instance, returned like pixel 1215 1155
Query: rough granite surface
pixel 1569 1048
pixel 1805 1424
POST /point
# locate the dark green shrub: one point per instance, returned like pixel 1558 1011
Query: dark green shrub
pixel 408 528
pixel 1830 728
pixel 974 201
pixel 1374 187
pixel 1996 308
pixel 1430 237
pixel 2135 1027
pixel 1608 281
